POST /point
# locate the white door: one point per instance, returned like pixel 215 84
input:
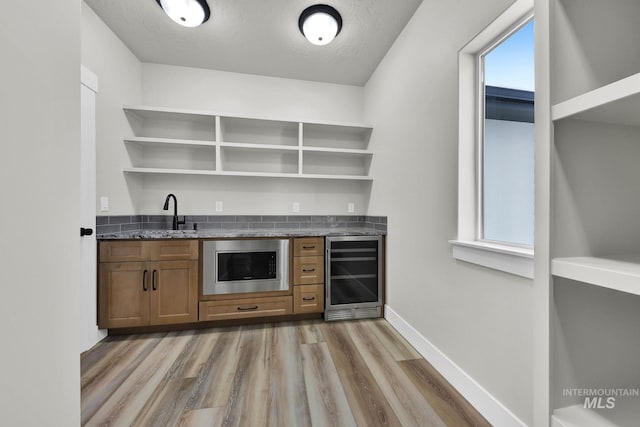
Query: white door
pixel 89 333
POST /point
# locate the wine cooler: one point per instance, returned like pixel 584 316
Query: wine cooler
pixel 353 277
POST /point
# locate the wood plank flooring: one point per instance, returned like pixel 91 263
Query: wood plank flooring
pixel 309 373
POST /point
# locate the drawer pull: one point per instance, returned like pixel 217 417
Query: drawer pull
pixel 308 270
pixel 308 298
pixel 253 307
pixel 144 281
pixel 309 247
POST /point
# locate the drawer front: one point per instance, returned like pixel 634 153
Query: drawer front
pixel 245 308
pixel 169 250
pixel 308 299
pixel 308 246
pixel 123 250
pixel 308 270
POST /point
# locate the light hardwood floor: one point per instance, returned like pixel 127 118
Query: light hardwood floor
pixel 356 373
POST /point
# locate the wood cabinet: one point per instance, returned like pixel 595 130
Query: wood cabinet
pixel 308 299
pixel 308 275
pixel 144 283
pixel 245 308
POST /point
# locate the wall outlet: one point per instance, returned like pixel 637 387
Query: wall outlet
pixel 296 207
pixel 218 206
pixel 351 207
pixel 104 204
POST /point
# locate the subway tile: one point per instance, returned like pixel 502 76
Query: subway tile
pixel 156 226
pixel 120 219
pixel 196 218
pixel 136 218
pixel 209 226
pixel 131 227
pixel 287 225
pixel 248 218
pixel 261 225
pixel 298 218
pixel 104 229
pixel 234 226
pixel 221 218
pixel 383 220
pixel 159 218
pixel 274 218
pixel 102 220
pixel 381 227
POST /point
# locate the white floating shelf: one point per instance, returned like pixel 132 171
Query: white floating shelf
pixel 171 171
pixel 273 147
pixel 171 113
pixel 615 103
pixel 338 150
pixel 248 174
pixel 621 273
pixel 169 141
pixel 625 413
pixel 163 113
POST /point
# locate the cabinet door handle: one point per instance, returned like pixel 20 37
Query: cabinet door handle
pixel 309 247
pixel 253 307
pixel 144 281
pixel 153 280
pixel 308 298
pixel 308 270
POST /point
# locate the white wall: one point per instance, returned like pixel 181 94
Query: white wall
pixel 481 319
pixel 39 223
pixel 250 95
pixel 119 74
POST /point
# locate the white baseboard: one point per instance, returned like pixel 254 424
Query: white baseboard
pixel 490 408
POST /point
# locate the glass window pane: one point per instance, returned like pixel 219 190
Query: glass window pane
pixel 508 156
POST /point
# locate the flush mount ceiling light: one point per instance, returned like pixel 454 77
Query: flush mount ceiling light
pixel 320 24
pixel 188 13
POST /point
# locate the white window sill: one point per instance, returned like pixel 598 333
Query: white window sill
pixel 510 259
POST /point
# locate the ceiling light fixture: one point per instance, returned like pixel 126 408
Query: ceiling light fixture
pixel 320 24
pixel 188 13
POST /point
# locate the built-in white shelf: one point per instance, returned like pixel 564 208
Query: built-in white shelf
pixel 246 146
pixel 247 174
pixel 252 146
pixel 621 273
pixel 338 150
pixel 625 413
pixel 615 103
pixel 147 141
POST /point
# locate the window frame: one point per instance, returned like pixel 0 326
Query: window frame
pixel 510 258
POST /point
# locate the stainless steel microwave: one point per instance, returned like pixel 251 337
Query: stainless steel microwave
pixel 238 266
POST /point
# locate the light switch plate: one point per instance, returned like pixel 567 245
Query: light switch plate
pixel 296 207
pixel 218 206
pixel 351 207
pixel 104 204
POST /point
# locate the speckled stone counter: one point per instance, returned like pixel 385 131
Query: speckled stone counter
pixel 123 227
pixel 212 234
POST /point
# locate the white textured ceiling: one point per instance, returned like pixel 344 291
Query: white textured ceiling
pixel 262 37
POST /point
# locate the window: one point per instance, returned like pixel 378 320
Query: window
pixel 506 142
pixel 496 144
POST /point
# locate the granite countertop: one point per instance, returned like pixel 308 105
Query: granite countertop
pixel 231 233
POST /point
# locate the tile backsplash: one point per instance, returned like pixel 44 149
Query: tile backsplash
pixel 122 223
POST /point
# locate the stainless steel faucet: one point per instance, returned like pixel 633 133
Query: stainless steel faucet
pixel 176 222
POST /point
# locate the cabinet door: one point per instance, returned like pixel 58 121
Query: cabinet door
pixel 123 294
pixel 171 250
pixel 308 270
pixel 173 292
pixel 123 250
pixel 308 299
pixel 308 246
